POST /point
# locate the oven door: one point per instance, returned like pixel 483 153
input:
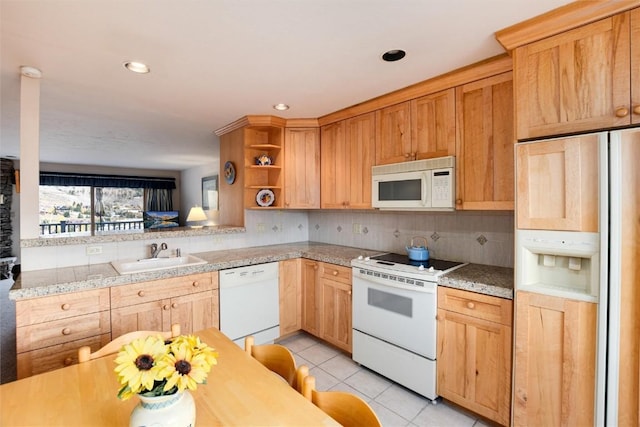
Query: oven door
pixel 396 313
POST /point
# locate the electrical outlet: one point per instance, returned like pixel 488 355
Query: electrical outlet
pixel 94 250
pixel 357 229
pixel 261 227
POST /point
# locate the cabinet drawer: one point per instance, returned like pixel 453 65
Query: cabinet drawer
pixel 476 305
pixel 57 356
pixel 335 272
pixel 41 335
pixel 46 309
pixel 137 293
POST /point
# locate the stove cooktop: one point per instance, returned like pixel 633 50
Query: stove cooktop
pixel 392 259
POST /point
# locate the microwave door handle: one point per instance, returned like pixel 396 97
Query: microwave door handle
pixel 426 189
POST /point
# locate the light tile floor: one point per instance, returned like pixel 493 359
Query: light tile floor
pixel 394 404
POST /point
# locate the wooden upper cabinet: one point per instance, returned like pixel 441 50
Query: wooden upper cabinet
pixel 558 184
pixel 433 125
pixel 484 151
pixel 302 168
pixel 577 80
pixel 393 135
pixel 635 65
pixel 347 154
pixel 334 163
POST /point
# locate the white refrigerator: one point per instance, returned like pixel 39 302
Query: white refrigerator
pixel 595 263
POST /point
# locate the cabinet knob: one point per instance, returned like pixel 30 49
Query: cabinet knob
pixel 195 284
pixel 622 112
pixel 68 361
pixel 458 201
pixel 174 305
pixel 140 293
pixel 413 156
pixel 166 307
pixel 66 331
pixel 471 305
pixel 349 293
pixel 407 155
pixel 636 109
pixel 65 306
pixel 315 267
pixel 335 272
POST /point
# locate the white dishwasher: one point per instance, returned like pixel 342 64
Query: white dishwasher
pixel 250 303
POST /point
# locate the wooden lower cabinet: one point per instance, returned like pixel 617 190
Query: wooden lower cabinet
pixel 555 361
pixel 310 297
pixel 326 302
pixel 50 330
pixel 474 352
pixel 191 301
pixel 290 296
pixel 335 309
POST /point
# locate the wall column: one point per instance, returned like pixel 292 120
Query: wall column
pixel 29 152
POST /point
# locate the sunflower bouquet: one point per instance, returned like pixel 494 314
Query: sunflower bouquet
pixel 152 366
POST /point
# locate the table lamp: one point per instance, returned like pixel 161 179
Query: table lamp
pixel 196 214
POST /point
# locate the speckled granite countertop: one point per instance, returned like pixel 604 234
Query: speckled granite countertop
pixel 483 279
pixel 490 280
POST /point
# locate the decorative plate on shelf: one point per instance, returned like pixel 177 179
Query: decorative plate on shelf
pixel 264 160
pixel 265 197
pixel 229 173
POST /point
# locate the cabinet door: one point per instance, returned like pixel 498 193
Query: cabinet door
pixel 310 297
pixel 335 161
pixel 302 168
pixel 361 133
pixel 194 311
pixel 575 81
pixel 335 313
pixel 555 361
pixel 635 65
pixel 557 184
pixel 484 169
pixel 474 364
pixel 290 296
pixel 393 136
pixel 149 316
pixel 433 120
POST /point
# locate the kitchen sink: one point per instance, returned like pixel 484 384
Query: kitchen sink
pixel 153 264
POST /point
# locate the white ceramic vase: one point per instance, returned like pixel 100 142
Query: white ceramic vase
pixel 175 410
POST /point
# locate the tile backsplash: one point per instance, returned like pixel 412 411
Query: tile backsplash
pixel 479 237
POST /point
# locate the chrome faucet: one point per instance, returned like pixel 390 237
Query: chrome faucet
pixel 155 251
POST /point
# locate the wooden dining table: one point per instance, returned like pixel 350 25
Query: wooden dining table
pixel 239 392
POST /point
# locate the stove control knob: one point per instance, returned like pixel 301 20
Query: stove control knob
pixel 367 258
pixel 431 269
pixel 360 257
pixel 421 267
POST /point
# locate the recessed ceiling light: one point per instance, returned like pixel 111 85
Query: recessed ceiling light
pixel 393 55
pixel 281 107
pixel 137 67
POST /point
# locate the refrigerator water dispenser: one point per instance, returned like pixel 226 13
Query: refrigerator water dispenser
pixel 560 263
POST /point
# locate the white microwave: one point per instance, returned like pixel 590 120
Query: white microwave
pixel 419 185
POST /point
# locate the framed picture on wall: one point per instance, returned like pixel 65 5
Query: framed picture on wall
pixel 210 192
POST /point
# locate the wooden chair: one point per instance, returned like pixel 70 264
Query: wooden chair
pixel 346 408
pixel 84 353
pixel 275 357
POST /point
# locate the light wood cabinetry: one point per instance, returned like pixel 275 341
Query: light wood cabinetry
pixel 290 295
pixel 474 352
pixel 302 168
pixel 50 330
pixel 555 361
pixel 580 79
pixel 310 297
pixel 558 184
pixel 484 162
pixel 393 134
pixel 335 310
pixel 347 154
pixel 191 301
pixel 433 125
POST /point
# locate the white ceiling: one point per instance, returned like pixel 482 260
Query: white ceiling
pixel 214 61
